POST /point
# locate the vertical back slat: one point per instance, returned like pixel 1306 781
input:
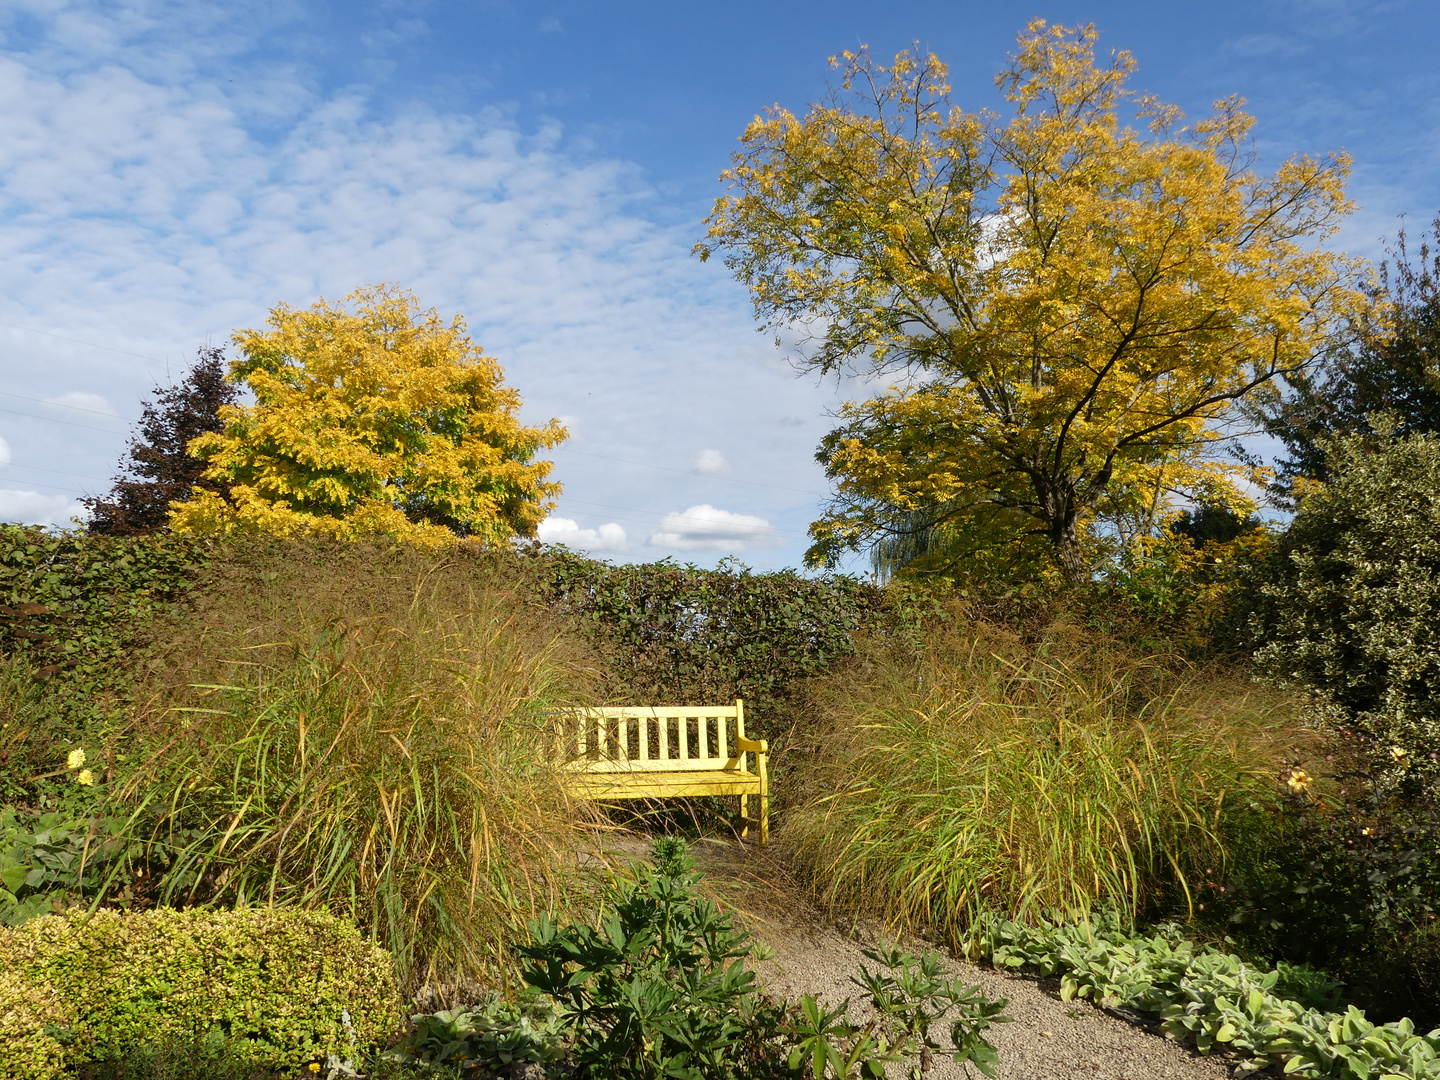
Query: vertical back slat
pixel 683 724
pixel 644 737
pixel 720 723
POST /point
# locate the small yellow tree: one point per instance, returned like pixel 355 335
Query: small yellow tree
pixel 384 421
pixel 1074 306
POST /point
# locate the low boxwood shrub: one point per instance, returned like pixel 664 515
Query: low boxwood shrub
pixel 283 987
pixel 1263 1016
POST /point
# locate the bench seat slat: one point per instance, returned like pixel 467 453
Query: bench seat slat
pixel 648 785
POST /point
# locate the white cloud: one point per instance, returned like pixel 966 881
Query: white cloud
pixel 80 399
pixel 704 528
pixel 710 463
pixel 4 452
pixel 151 202
pixel 558 530
pixel 32 508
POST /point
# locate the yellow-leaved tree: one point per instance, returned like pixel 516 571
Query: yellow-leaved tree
pixel 1070 306
pixel 383 420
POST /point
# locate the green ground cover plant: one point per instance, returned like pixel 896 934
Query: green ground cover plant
pixel 1264 1016
pixel 1064 773
pixel 276 988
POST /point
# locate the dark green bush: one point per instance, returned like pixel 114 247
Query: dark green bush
pixel 1352 888
pixel 1347 605
pixel 281 988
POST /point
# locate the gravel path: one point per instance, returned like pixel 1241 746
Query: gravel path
pixel 1048 1040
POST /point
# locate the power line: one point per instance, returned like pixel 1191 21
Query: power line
pixel 57 472
pixel 67 423
pixel 76 408
pixel 689 472
pixel 562 449
pixel 38 484
pixel 78 341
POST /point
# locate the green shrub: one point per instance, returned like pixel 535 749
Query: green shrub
pixel 981 772
pixel 695 636
pixel 1266 1017
pixel 29 1014
pixel 661 987
pixel 1347 606
pixel 1349 883
pixel 281 987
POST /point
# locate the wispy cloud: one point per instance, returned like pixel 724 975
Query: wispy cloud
pixel 163 182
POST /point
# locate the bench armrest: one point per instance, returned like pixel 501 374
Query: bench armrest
pixel 754 746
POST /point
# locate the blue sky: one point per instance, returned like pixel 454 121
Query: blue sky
pixel 169 171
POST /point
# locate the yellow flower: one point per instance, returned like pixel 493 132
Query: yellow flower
pixel 1399 753
pixel 86 777
pixel 1299 781
pixel 314 1067
pixel 75 760
pixel 1367 831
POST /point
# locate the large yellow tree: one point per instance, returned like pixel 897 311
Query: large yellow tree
pixel 383 420
pixel 1069 301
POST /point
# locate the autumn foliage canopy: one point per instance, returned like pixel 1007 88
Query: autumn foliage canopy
pixel 383 420
pixel 1068 306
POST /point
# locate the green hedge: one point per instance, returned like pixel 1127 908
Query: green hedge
pixel 686 635
pixel 273 983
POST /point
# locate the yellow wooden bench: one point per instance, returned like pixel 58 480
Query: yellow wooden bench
pixel 647 751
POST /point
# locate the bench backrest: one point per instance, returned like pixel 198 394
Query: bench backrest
pixel 655 738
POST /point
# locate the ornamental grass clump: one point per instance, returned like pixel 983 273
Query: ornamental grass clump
pixel 984 773
pixel 358 732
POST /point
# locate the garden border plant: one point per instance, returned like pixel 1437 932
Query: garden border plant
pixel 1263 1016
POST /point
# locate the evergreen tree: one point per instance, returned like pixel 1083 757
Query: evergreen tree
pixel 1391 366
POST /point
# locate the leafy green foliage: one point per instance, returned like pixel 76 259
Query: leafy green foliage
pixel 279 987
pixel 493 1037
pixel 698 636
pixel 53 861
pixel 1387 375
pixel 661 987
pixel 1267 1016
pixel 1353 888
pixel 1346 606
pixel 910 996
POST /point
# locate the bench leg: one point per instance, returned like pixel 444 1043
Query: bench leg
pixel 743 807
pixel 764 818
